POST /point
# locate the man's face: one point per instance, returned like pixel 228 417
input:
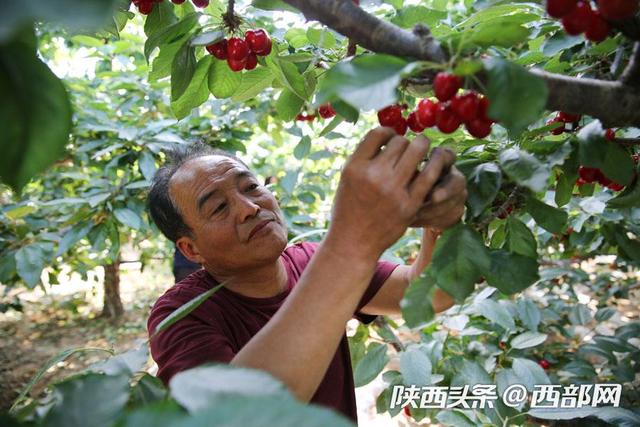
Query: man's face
pixel 224 205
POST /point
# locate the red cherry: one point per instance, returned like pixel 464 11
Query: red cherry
pixel 237 49
pixel 616 10
pixel 479 128
pixel 407 411
pixel 577 21
pixel 200 3
pixel 446 120
pixel 603 180
pixel 506 212
pixel 635 158
pixel 426 112
pixel 559 8
pixel 252 61
pixel 580 182
pixel 610 134
pixel 237 65
pixel 390 115
pixel 177 1
pixel 446 85
pixel 559 130
pixel 258 41
pixel 568 117
pixel 326 111
pixel 598 28
pixel 466 106
pixel 414 123
pixel 219 49
pixel 589 175
pixel 146 7
pixel 483 109
pixel 400 126
pixel 502 345
pixel 544 364
pixel 615 186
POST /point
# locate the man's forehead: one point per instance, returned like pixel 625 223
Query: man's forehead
pixel 206 166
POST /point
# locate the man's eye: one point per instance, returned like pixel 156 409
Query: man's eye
pixel 220 208
pixel 252 187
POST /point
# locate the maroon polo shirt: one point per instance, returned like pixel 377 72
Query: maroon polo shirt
pixel 222 325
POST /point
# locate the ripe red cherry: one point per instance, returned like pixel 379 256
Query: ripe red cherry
pixel 615 186
pixel 237 65
pixel 177 1
pixel 610 134
pixel 414 123
pixel 580 182
pixel 479 128
pixel 568 117
pixel 400 126
pixel 466 106
pixel 559 8
pixel 446 120
pixel 252 61
pixel 589 175
pixel 446 85
pixel 505 213
pixel 559 130
pixel 219 49
pixel 635 158
pixel 577 21
pixel 326 111
pixel 598 28
pixel 146 7
pixel 407 411
pixel 426 112
pixel 200 3
pixel 390 115
pixel 237 49
pixel 616 10
pixel 483 109
pixel 544 364
pixel 258 41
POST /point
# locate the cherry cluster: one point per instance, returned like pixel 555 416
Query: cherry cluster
pixel 146 6
pixel 578 17
pixel 447 115
pixel 325 111
pixel 570 122
pixel 590 175
pixel 242 54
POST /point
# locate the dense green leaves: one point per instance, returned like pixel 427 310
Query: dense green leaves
pixel 509 84
pixel 416 304
pixel 483 185
pixel 511 272
pixel 610 158
pixel 30 260
pixel 371 364
pixel 551 219
pixel 524 168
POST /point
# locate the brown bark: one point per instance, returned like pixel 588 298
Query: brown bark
pixel 112 308
pixel 614 103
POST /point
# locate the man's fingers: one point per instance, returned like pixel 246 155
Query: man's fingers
pixel 394 149
pixel 370 145
pixel 411 158
pixel 440 160
pixel 452 185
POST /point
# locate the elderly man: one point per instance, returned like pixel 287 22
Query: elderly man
pixel 284 309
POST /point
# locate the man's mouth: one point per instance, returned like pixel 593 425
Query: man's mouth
pixel 259 227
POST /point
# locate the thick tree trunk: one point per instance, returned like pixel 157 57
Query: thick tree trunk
pixel 112 308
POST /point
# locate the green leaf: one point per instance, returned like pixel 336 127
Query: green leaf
pixel 367 82
pixel 184 310
pixel 158 412
pixel 528 339
pixel 530 373
pixel 161 17
pixel 470 373
pixel 628 198
pixel 409 16
pixel 127 363
pixel 74 235
pixel 223 81
pixel 508 84
pixel 596 152
pixel 196 93
pixel 560 41
pixel 30 261
pixel 371 364
pixel 128 217
pixel 35 114
pixel 496 313
pixel 288 105
pixel 415 367
pixel 196 388
pixel 303 148
pixel 504 35
pixel 346 111
pixel 483 185
pixel 525 169
pixel 183 69
pixel 161 66
pixel 454 418
pixel 511 272
pixel 147 165
pixel 322 38
pixel 416 304
pixel 551 219
pixel 287 74
pixel 564 190
pixel 253 83
pixel 170 33
pixel 207 38
pixel 460 258
pixel 580 315
pixel 529 313
pixel 617 416
pixel 519 239
pixel 273 5
pixel 108 394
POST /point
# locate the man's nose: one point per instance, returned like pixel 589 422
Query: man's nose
pixel 247 208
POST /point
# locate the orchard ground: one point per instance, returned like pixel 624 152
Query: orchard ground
pixel 67 316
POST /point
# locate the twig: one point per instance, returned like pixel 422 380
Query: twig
pixel 631 75
pixel 230 19
pixel 396 343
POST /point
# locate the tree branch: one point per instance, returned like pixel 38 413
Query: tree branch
pixel 631 75
pixel 614 103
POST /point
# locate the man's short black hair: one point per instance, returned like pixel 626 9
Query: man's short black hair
pixel 163 211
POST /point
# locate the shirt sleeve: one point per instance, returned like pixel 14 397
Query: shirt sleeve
pixel 381 274
pixel 186 344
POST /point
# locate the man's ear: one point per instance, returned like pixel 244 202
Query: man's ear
pixel 189 250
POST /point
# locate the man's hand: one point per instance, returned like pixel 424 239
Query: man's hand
pixel 444 205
